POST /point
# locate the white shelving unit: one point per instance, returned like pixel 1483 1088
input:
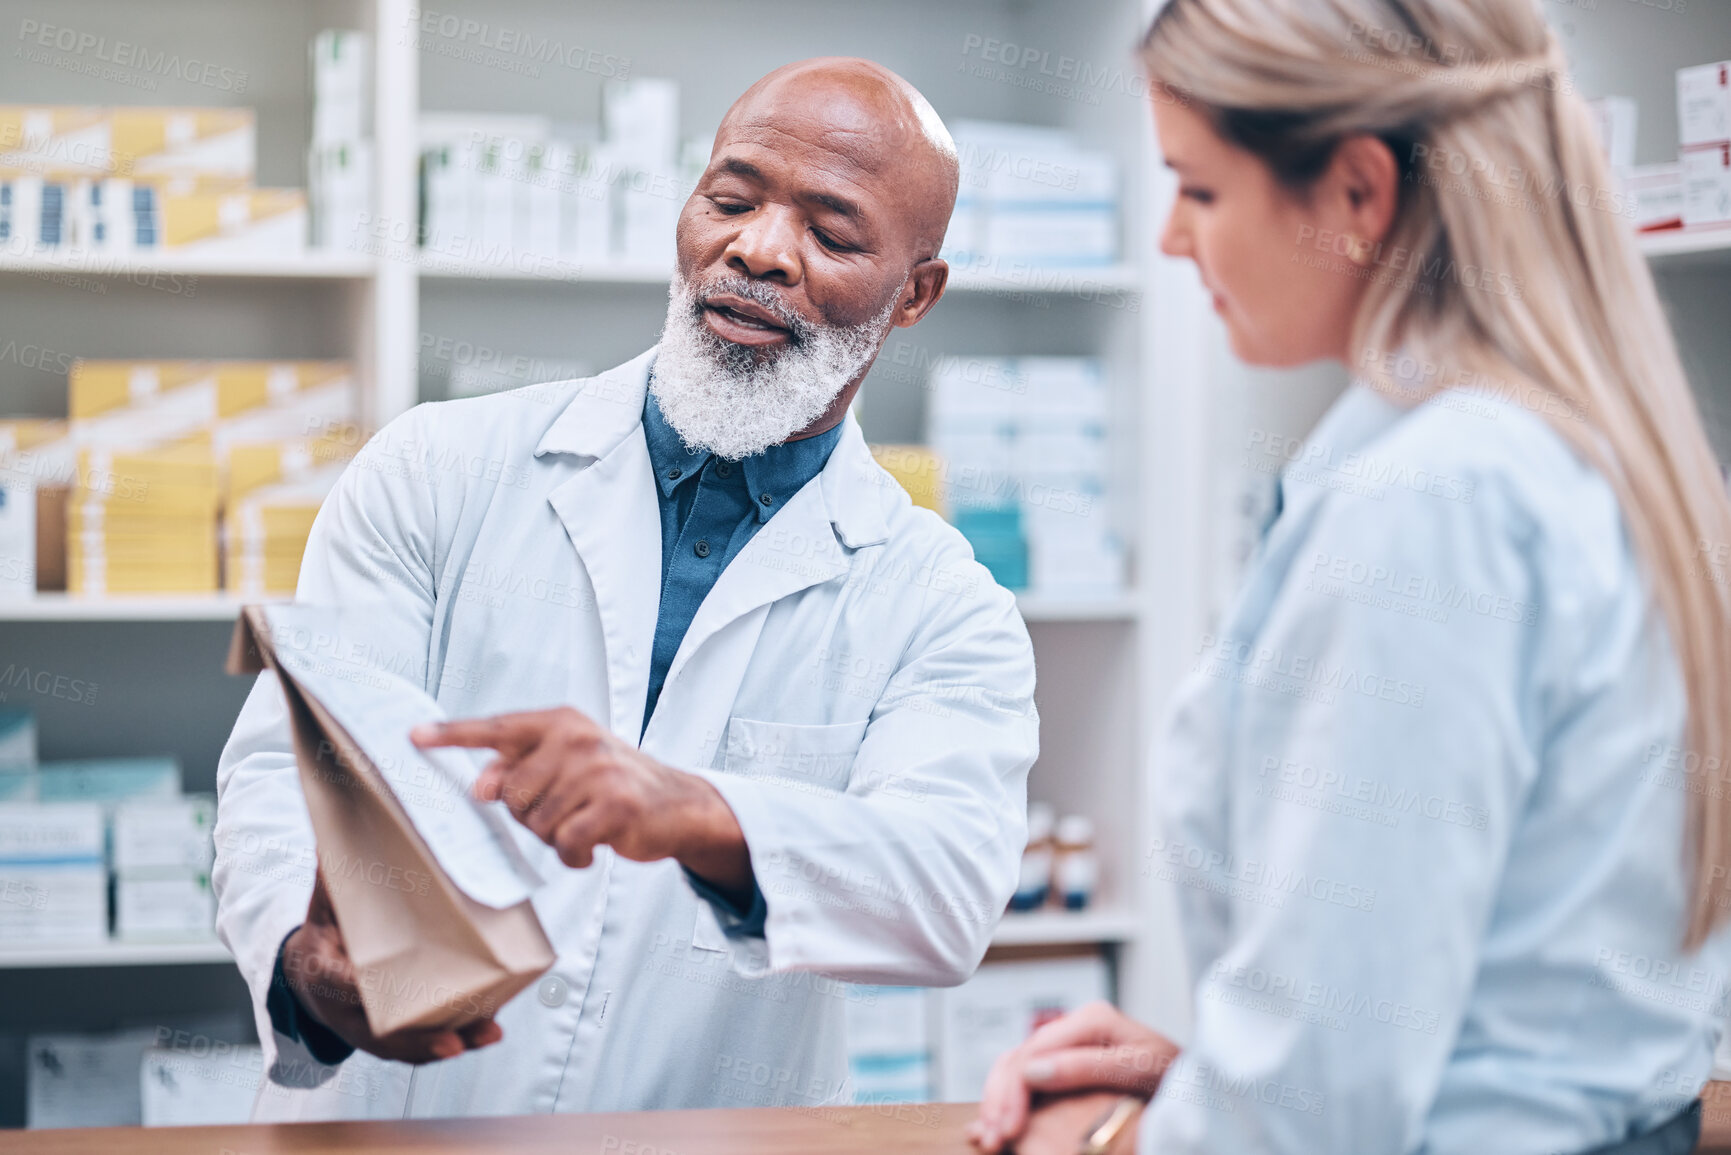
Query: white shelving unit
pixel 113 954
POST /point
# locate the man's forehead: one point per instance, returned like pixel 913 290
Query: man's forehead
pixel 825 116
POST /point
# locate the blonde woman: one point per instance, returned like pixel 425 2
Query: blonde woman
pixel 1445 798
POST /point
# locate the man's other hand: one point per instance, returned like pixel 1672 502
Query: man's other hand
pixel 316 964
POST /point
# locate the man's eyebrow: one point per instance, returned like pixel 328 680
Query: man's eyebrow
pixel 835 204
pixel 743 168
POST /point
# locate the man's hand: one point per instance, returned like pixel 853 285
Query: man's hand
pixel 1095 1048
pixel 577 786
pixel 316 964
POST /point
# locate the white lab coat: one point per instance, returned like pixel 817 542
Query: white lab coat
pixel 855 685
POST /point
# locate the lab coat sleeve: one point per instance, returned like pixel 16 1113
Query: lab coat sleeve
pixel 902 878
pixel 1377 767
pixel 369 551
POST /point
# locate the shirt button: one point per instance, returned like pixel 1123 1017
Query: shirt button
pixel 701 549
pixel 767 498
pixel 675 474
pixel 724 469
pixel 552 991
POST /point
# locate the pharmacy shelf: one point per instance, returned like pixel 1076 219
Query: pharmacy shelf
pixel 1048 280
pixel 523 267
pixel 1032 280
pixel 312 264
pixel 1042 608
pixel 1688 246
pixel 1064 928
pixel 158 608
pixel 113 953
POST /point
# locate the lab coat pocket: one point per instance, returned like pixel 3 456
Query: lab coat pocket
pixel 815 758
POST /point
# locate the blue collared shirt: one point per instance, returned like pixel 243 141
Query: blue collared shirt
pixel 1424 806
pixel 710 507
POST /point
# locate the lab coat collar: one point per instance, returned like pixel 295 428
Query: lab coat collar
pixel 608 408
pixel 602 412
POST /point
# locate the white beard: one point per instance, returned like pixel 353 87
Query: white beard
pixel 722 397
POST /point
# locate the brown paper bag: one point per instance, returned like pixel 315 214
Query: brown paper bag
pixel 425 953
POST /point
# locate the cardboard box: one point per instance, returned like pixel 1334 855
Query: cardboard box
pixel 341 62
pixel 85 1080
pixel 1704 104
pixel 110 780
pixel 252 222
pixel 218 142
pixel 56 140
pixel 164 906
pixel 1707 186
pixel 1000 1007
pixel 214 1086
pixel 17 739
pixel 889 1044
pixel 1615 118
pixel 1658 193
pixel 17 535
pixel 160 834
pixel 53 879
pixel 20 212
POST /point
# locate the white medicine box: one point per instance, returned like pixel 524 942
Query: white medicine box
pixel 1704 104
pixel 1707 186
pixel 164 834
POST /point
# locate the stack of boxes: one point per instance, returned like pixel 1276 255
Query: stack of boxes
pixel 519 191
pixel 70 829
pixel 163 850
pixel 1023 441
pixel 340 155
pixel 23 477
pixel 1704 133
pixel 132 181
pixel 1031 196
pixel 1693 191
pixel 163 447
pixel 889 1049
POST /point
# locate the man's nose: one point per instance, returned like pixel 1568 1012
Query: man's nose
pixel 766 246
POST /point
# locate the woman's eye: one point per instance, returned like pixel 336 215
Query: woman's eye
pixel 1201 196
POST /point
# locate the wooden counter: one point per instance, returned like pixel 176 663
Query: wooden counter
pixel 928 1129
pixel 886 1129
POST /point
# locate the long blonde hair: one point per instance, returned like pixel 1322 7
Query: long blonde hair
pixel 1520 268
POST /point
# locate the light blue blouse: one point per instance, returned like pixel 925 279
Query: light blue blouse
pixel 1423 805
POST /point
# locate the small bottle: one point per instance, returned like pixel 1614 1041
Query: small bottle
pixel 1035 881
pixel 1075 866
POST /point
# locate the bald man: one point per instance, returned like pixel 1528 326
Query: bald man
pixel 762 724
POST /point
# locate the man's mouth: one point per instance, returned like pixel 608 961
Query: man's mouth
pixel 743 321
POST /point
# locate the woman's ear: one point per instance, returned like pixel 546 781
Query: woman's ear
pixel 1365 178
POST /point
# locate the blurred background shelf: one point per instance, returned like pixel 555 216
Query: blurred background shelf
pixel 314 264
pixel 1034 280
pixel 1682 247
pixel 1037 608
pixel 113 954
pixel 1107 925
pixel 141 608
